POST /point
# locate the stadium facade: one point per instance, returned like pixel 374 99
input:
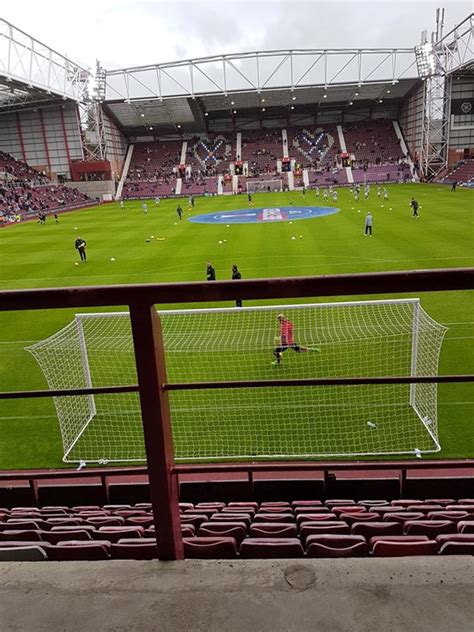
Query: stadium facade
pixel 74 126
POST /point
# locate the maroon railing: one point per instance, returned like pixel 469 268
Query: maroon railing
pixel 149 355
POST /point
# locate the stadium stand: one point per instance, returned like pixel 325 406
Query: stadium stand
pixel 373 143
pixel 314 147
pixel 247 529
pixel 153 169
pixel 463 173
pixel 13 169
pixel 261 149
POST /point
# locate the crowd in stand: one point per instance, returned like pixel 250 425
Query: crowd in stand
pixel 261 149
pixel 20 171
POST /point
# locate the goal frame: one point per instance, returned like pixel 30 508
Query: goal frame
pixel 266 184
pixel 413 371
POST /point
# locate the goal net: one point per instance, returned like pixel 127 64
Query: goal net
pixel 264 186
pixel 358 339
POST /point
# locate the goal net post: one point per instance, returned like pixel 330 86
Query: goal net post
pixel 332 340
pixel 264 186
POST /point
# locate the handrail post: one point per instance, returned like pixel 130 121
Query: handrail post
pixel 151 371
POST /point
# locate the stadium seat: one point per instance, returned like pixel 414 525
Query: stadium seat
pixel 237 530
pixel 373 503
pixel 315 517
pixel 195 519
pixel 252 504
pixel 211 548
pixel 27 534
pixel 187 531
pixel 63 522
pixel 431 528
pixel 74 551
pixel 274 517
pixel 382 511
pixel 403 516
pixel 466 526
pixel 336 546
pixel 370 529
pixel 109 521
pixel 423 508
pixel 237 517
pixel 465 507
pixel 237 510
pixel 273 530
pixel 23 525
pixel 142 521
pixel 312 510
pixel 23 554
pixel 466 538
pixel 53 537
pixel 202 512
pixel 406 503
pixel 340 503
pixel 114 534
pixel 271 548
pixel 341 509
pixel 455 516
pixel 456 548
pixel 361 516
pixel 388 548
pixel 321 528
pixel 215 506
pixel 136 550
pixel 306 503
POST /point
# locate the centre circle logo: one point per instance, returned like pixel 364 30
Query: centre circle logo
pixel 263 215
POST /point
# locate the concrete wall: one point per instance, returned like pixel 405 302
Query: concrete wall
pixel 94 189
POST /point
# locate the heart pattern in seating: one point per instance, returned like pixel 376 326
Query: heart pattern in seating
pixel 312 143
pixel 209 152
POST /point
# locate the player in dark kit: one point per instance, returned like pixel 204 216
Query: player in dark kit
pixel 414 206
pixel 454 185
pixel 286 340
pixel 80 246
pixel 56 219
pixel 210 272
pixel 236 276
pixel 179 210
pixel 249 198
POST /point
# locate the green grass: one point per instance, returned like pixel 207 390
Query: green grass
pixel 34 256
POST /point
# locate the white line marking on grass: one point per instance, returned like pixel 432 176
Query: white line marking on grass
pixel 27 417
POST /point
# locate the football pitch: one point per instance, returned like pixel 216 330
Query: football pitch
pixel 127 246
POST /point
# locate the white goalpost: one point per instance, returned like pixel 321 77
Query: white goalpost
pixel 264 186
pixel 354 339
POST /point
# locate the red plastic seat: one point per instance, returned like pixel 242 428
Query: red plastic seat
pixel 352 509
pixel 306 503
pixel 406 503
pixel 273 530
pixel 22 525
pixel 137 550
pixel 403 516
pixel 114 534
pixel 78 508
pixel 187 531
pixel 341 502
pixel 238 510
pixel 455 537
pixel 383 511
pixel 439 501
pixel 271 548
pixel 115 507
pixel 142 521
pixel 252 504
pixel 373 503
pixel 109 521
pixel 276 509
pixel 312 510
pixel 397 538
pixel 328 546
pixel 232 517
pixel 464 507
pixel 275 503
pixel 387 548
pixel 184 506
pixel 202 548
pixel 321 528
pixel 457 548
pixel 20 534
pixel 76 552
pixel 426 509
pixel 361 516
pixel 202 512
pixel 370 529
pixel 215 506
pixel 431 528
pixel 466 526
pixel 237 530
pixel 63 522
pixel 274 517
pixel 195 519
pixel 455 516
pixel 32 553
pixel 53 537
pixel 315 517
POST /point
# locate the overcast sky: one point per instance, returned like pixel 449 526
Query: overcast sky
pixel 123 33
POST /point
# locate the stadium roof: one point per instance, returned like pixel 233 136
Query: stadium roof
pixel 32 73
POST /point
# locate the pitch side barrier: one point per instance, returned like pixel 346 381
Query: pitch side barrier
pixel 153 385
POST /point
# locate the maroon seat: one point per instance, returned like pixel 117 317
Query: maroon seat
pixel 130 513
pixel 53 537
pixel 406 503
pixel 306 503
pixel 65 522
pixel 431 528
pixel 425 508
pixel 115 507
pixel 466 526
pixel 114 534
pixel 184 506
pixel 464 507
pixel 31 553
pixel 455 537
pixel 370 529
pixel 398 538
pixel 276 509
pixel 21 525
pixel 386 548
pixel 455 516
pixel 462 501
pixel 26 534
pixel 403 516
pixel 315 517
pixel 457 548
pixel 275 503
pixel 312 510
pixel 109 521
pixel 215 506
pixel 383 511
pixel 202 548
pixel 195 519
pixel 76 552
pixel 202 512
pixel 373 503
pixel 142 521
pixel 338 510
pixel 148 505
pixel 187 531
pixel 334 502
pixel 439 501
pixel 250 511
pixel 273 530
pixel 81 527
pixel 252 504
pixel 55 509
pixel 237 530
pixel 321 528
pixel 336 546
pixel 361 516
pixel 271 548
pixel 237 517
pixel 78 508
pixel 274 517
pixel 137 550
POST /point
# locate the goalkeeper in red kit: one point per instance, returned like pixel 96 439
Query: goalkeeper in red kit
pixel 286 340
